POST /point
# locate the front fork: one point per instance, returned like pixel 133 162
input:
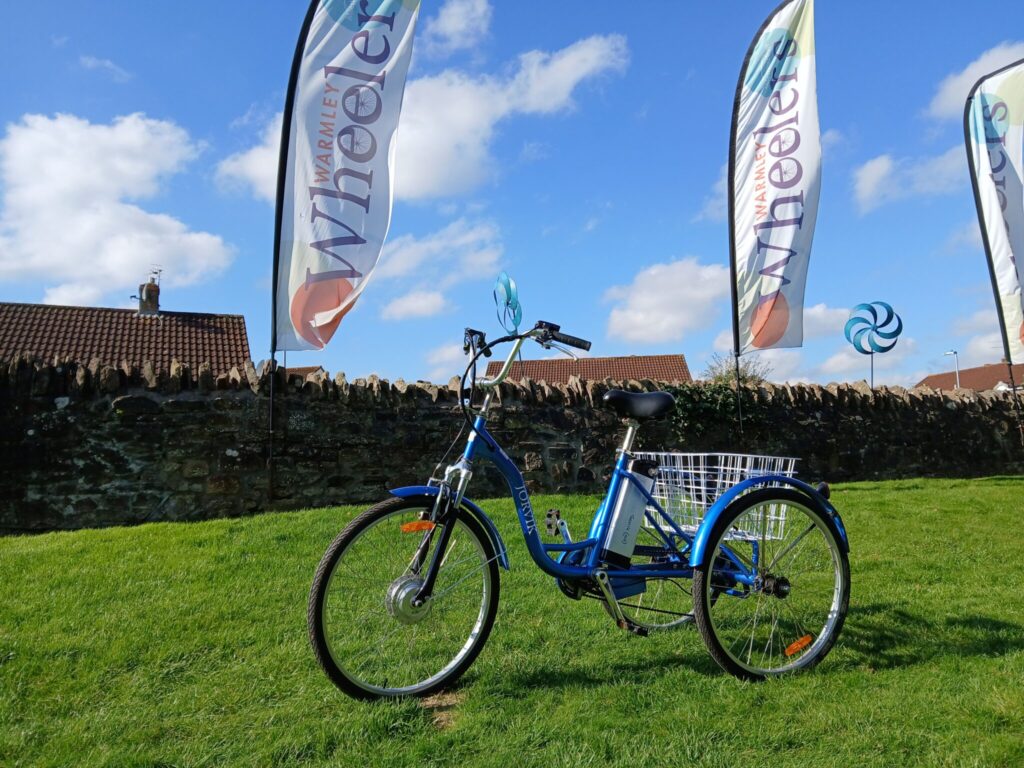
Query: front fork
pixel 445 509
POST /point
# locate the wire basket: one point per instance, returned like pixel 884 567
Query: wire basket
pixel 688 484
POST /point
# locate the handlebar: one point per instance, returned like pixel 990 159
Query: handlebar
pixel 571 341
pixel 551 332
pixel 543 333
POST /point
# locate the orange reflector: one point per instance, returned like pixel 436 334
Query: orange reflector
pixel 794 648
pixel 417 525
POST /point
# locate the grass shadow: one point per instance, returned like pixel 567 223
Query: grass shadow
pixel 641 671
pixel 883 636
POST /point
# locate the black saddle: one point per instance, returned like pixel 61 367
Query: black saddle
pixel 639 405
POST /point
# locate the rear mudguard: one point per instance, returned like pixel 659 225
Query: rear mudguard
pixel 699 552
pixel 477 513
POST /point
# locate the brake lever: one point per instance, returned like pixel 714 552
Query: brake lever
pixel 549 344
pixel 474 340
pixel 564 350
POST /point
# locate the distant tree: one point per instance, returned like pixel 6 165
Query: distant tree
pixel 721 369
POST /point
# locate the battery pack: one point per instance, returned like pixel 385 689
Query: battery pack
pixel 628 513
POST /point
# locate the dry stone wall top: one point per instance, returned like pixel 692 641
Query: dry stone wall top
pixel 91 445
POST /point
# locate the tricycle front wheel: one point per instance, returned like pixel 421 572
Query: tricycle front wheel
pixel 368 631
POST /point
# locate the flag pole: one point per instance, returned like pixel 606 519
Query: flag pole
pixel 1016 401
pixel 282 179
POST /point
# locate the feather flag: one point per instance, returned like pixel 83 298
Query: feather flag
pixel 336 168
pixel 774 180
pixel 994 133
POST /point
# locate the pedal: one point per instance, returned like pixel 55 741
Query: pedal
pixel 551 520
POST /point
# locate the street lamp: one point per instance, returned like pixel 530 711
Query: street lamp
pixel 956 363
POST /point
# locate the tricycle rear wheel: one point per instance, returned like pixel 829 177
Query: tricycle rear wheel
pixel 789 618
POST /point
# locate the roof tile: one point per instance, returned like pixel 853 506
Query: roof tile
pixel 982 378
pixel 664 368
pixel 123 335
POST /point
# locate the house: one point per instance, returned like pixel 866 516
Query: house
pixel 984 377
pixel 669 369
pixel 304 370
pixel 116 336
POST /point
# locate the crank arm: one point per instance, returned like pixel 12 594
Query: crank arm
pixel 620 618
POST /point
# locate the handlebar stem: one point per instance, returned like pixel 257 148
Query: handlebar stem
pixel 507 367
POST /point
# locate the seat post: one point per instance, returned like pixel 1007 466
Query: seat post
pixel 627 443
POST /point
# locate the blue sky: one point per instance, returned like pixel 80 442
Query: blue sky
pixel 578 145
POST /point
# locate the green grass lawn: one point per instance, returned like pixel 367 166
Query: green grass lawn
pixel 185 645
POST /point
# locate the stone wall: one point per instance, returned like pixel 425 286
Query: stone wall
pixel 88 445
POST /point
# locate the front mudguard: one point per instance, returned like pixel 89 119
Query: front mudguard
pixel 478 514
pixel 699 552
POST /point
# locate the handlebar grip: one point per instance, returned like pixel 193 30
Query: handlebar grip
pixel 570 341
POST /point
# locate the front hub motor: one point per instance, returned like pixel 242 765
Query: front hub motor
pixel 400 597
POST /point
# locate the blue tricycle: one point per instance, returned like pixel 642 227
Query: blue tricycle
pixel 405 597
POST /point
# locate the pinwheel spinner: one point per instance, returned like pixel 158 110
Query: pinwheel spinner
pixel 873 329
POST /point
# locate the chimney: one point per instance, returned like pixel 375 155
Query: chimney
pixel 149 298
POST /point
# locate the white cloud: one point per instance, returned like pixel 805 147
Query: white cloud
pixel 786 364
pixel 461 251
pixel 66 220
pixel 667 301
pixel 533 151
pixel 716 204
pixel 459 25
pixel 415 304
pixel 822 321
pixel 448 120
pixel 967 237
pixel 255 168
pixel 885 179
pixel 831 139
pixel 446 361
pixel 983 349
pixel 951 95
pixel 981 321
pixel 870 179
pixel 117 74
pixel 849 361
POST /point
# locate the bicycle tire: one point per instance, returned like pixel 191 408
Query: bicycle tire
pixel 320 636
pixel 805 657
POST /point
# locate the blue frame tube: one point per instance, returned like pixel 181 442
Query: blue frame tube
pixel 482 445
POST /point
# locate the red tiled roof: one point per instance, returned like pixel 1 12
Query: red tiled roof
pixel 665 368
pixel 981 378
pixel 118 335
pixel 304 370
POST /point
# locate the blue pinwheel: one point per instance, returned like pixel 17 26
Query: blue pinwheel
pixel 873 328
pixel 506 301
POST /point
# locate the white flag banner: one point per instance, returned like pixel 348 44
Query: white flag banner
pixel 336 171
pixel 774 180
pixel 994 130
